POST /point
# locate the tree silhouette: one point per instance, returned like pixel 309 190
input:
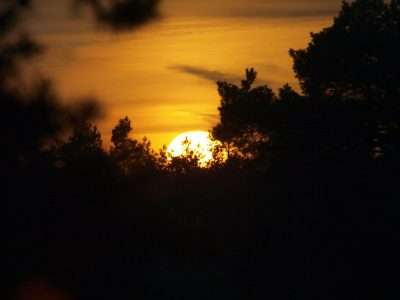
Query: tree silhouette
pixel 354 65
pixel 186 163
pixel 32 116
pixel 42 174
pixel 41 118
pixel 84 141
pixel 242 114
pixel 121 131
pixel 130 155
pixel 356 57
pixel 348 72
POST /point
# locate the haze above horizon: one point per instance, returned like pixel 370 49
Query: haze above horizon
pixel 162 75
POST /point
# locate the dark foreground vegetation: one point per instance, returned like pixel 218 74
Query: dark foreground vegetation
pixel 305 207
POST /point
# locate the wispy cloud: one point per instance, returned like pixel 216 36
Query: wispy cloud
pixel 214 75
pixel 206 74
pixel 255 8
pixel 210 117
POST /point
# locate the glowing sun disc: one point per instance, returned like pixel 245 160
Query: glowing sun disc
pixel 198 142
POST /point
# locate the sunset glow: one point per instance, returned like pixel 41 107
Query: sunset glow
pixel 164 76
pixel 197 142
pixel 186 149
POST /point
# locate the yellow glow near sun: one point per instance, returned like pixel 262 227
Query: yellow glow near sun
pixel 198 142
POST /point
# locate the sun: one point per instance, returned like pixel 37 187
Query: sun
pixel 199 143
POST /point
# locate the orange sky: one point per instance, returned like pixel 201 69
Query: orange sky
pixel 163 75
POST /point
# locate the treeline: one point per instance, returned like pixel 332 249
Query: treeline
pixel 305 207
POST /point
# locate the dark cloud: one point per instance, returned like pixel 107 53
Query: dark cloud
pixel 203 73
pixel 214 76
pixel 122 14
